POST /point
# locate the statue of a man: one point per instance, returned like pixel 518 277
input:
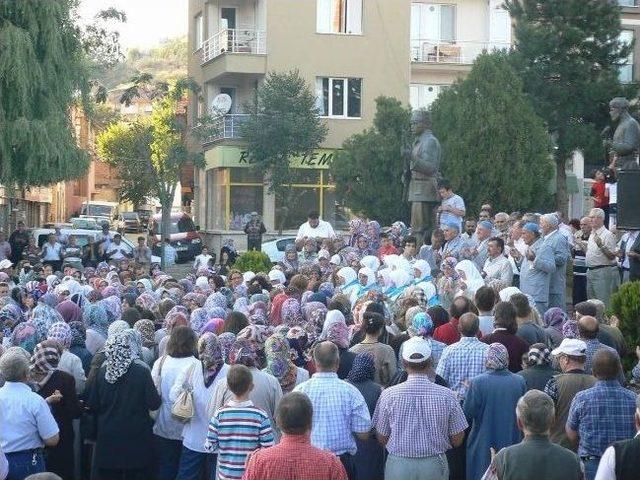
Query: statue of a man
pixel 626 138
pixel 422 173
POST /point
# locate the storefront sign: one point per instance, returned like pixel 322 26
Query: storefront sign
pixel 229 156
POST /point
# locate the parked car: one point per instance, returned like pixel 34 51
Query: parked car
pixel 82 238
pixel 145 215
pixel 183 235
pixel 129 222
pixel 275 248
pixel 84 224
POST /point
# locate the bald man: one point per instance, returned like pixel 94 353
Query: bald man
pixel 561 253
pixel 588 328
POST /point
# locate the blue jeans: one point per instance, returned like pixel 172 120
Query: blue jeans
pixel 590 467
pixel 23 464
pixel 196 465
pixel 167 457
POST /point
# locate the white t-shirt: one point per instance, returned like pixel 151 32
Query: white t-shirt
pixel 116 252
pixel 51 252
pixel 201 260
pixel 323 230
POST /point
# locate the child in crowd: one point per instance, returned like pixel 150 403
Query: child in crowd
pixel 386 246
pixel 239 428
pixel 202 260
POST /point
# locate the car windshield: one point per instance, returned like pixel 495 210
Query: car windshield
pixel 85 223
pixel 184 224
pixel 102 210
pixel 130 215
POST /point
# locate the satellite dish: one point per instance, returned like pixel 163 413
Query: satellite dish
pixel 221 104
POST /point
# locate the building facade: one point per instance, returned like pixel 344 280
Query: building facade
pixel 630 32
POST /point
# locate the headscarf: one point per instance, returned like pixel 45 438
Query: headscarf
pixel 421 325
pixel 147 300
pixel 275 317
pixel 448 266
pixel 314 315
pixel 539 354
pixel 113 306
pixel 119 355
pixel 61 332
pixel 279 362
pixel 362 369
pixel 357 227
pixel 117 327
pixel 473 280
pixel 52 282
pixel 242 353
pixel 216 299
pixel 96 318
pixel 210 355
pixel 178 315
pixel 214 325
pixel 555 318
pixel 327 289
pixel 70 311
pixel 43 318
pixel 570 329
pixel 226 340
pixel 24 335
pixel 338 333
pixel 147 331
pixel 497 357
pixel 298 340
pixel 78 334
pixel 49 299
pixel 372 232
pixel 291 312
pixel 45 360
pixel 198 320
pixel 11 315
pixel 290 264
pixel 256 335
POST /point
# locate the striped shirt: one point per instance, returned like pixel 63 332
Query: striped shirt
pixel 235 431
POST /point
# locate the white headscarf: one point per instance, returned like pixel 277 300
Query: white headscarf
pixel 385 273
pixel 348 275
pixel 399 278
pixel 371 262
pixel 369 273
pixel 472 279
pixel 423 267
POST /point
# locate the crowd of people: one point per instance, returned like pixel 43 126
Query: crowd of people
pixel 364 356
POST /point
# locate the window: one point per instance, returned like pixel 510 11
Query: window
pixel 436 23
pixel 198 37
pixel 339 16
pixel 626 70
pixel 628 3
pixel 339 97
pixel 422 96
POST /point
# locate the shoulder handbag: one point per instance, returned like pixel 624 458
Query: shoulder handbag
pixel 183 409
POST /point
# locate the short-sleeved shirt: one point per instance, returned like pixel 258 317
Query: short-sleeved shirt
pixel 323 230
pixel 461 361
pixel 439 412
pixel 51 253
pixel 339 411
pixel 116 252
pixel 601 415
pixel 25 418
pixel 595 256
pixel 456 202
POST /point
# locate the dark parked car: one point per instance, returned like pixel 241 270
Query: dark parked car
pixel 183 235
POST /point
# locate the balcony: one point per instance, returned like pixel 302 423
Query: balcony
pixel 455 53
pixel 238 41
pixel 226 127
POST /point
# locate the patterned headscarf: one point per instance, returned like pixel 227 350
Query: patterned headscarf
pixel 326 288
pixel 113 306
pixel 216 299
pixel 210 354
pixel 43 318
pixel 338 334
pixel 49 299
pixel 291 312
pixel 70 311
pixel 363 368
pixel 421 325
pixel 570 329
pixel 148 300
pixel 279 362
pixel 275 317
pixel 96 318
pixel 357 228
pixel 45 360
pixel 555 318
pixel 226 340
pixel 61 332
pixel 539 354
pixel 497 357
pixel 117 327
pixel 198 320
pixel 78 334
pixel 372 232
pixel 11 315
pixel 242 353
pixel 119 356
pixel 25 336
pixel 178 315
pixel 298 340
pixel 147 331
pixel 314 315
pixel 214 325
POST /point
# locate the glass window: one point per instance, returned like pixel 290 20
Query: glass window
pixel 216 201
pixel 244 200
pixel 198 30
pixel 447 23
pixel 626 70
pixel 628 3
pixel 246 175
pixel 305 176
pixel 422 96
pixel 341 97
pixel 339 16
pixel 302 201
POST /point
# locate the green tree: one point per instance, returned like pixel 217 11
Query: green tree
pixel 150 153
pixel 568 56
pixel 368 169
pixel 283 124
pixel 495 147
pixel 42 70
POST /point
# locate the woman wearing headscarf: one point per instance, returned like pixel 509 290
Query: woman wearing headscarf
pixel 470 279
pixel 78 346
pixel 385 357
pixel 537 369
pixel 422 326
pixel 399 280
pixel 369 458
pixel 447 284
pixel 68 362
pixel 121 397
pixel 367 282
pixel 149 351
pixel 180 356
pixel 24 335
pixel 372 232
pixel 347 281
pixel 490 408
pixel 291 313
pixel 226 340
pixel 356 228
pixel 290 264
pixel 50 381
pixel 554 319
pixel 97 322
pixel 279 363
pixel 203 378
pixel 177 316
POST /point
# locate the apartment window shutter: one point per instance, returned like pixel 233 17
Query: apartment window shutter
pixel 324 16
pixel 500 28
pixel 447 23
pixel 354 17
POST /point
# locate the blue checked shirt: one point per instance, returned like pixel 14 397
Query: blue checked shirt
pixel 462 361
pixel 339 411
pixel 601 415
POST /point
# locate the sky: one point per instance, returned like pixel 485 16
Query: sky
pixel 148 21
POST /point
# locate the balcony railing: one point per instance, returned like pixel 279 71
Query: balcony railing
pixel 461 52
pixel 230 40
pixel 226 126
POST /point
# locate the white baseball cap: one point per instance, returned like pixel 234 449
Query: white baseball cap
pixel 248 276
pixel 416 350
pixel 571 346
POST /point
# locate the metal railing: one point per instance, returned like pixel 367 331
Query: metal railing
pixel 461 52
pixel 230 40
pixel 226 126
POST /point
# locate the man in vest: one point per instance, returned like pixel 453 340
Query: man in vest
pixel 571 355
pixel 622 460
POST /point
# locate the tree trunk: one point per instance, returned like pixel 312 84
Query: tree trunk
pixel 165 227
pixel 562 200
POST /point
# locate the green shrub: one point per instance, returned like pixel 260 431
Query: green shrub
pixel 625 304
pixel 253 261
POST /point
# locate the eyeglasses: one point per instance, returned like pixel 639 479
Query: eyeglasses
pixel 236 278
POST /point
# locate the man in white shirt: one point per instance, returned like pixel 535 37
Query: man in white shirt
pixel 624 249
pixel 602 269
pixel 202 260
pixel 314 228
pixel 117 250
pixel 497 266
pixel 52 252
pixel 452 207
